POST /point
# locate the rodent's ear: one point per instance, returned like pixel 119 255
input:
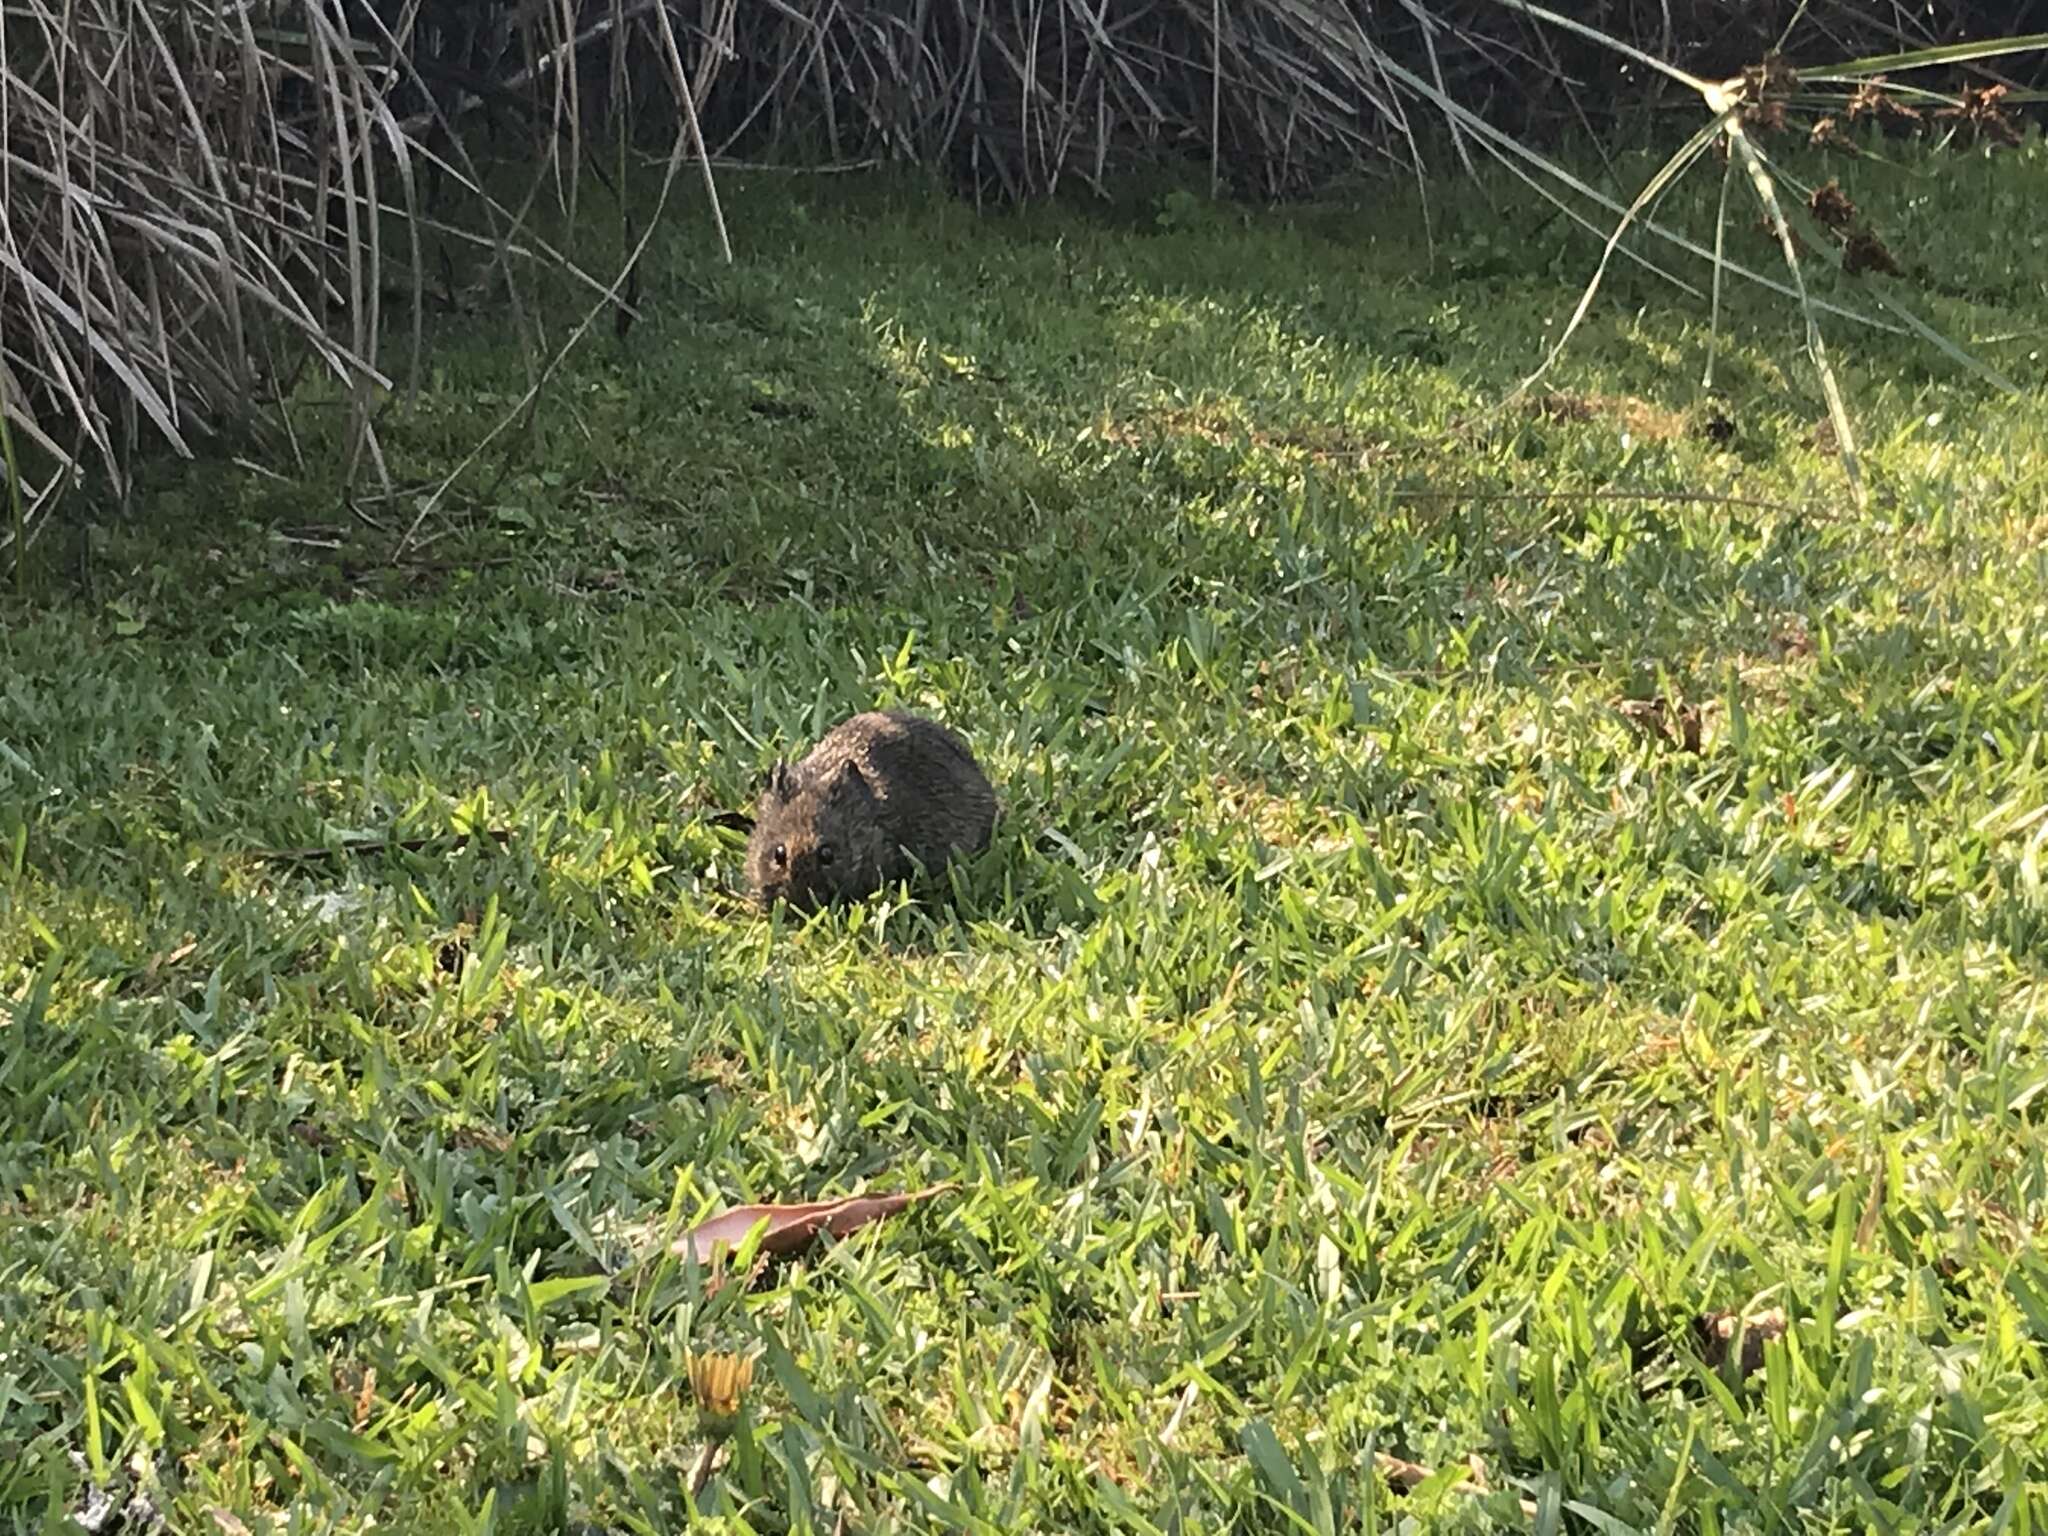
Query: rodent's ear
pixel 850 783
pixel 781 783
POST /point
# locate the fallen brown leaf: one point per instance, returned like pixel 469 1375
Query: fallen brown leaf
pixel 791 1227
pixel 1639 417
pixel 366 1399
pixel 1652 716
pixel 1407 1476
pixel 1792 638
pixel 1873 1208
pixel 1404 1475
pixel 1717 1332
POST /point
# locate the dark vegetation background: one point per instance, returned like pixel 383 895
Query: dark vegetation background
pixel 205 205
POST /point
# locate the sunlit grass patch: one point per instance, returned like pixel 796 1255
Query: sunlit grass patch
pixel 1480 903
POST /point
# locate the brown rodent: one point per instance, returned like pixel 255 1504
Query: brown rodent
pixel 880 790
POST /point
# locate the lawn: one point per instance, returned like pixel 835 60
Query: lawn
pixel 1459 939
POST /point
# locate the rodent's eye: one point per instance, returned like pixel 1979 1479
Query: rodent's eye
pixel 825 854
pixel 781 856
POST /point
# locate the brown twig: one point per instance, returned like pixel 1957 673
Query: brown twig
pixel 454 843
pixel 1690 498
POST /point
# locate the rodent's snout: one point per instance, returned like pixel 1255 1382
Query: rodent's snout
pixel 792 894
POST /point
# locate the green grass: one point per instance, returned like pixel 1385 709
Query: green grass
pixel 1364 1037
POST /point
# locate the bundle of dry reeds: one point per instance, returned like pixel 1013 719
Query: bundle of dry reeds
pixel 1276 95
pixel 201 201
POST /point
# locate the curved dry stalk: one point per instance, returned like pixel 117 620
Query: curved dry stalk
pixel 1661 182
pixel 682 142
pixel 1729 113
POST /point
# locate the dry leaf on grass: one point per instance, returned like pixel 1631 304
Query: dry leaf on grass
pixel 1718 1330
pixel 1641 418
pixel 791 1227
pixel 1407 1476
pixel 1652 716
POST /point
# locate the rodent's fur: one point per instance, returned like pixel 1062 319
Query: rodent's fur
pixel 879 791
